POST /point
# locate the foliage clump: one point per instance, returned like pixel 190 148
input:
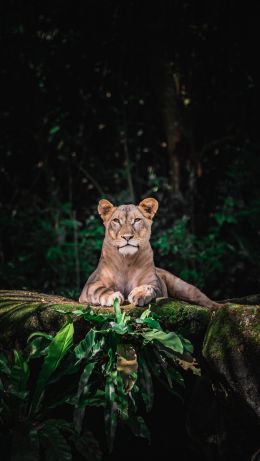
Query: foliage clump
pixel 111 367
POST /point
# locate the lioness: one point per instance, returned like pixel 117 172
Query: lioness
pixel 126 267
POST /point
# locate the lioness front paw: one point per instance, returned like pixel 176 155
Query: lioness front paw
pixel 108 300
pixel 142 295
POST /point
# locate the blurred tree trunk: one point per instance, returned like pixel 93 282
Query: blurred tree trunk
pixel 127 164
pixel 183 162
pixel 166 87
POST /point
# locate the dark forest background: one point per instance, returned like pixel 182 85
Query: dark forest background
pixel 126 100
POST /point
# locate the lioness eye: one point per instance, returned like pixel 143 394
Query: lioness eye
pixel 137 220
pixel 116 220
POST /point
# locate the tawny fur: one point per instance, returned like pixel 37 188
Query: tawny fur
pixel 126 267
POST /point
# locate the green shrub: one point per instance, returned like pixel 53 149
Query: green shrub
pixel 111 367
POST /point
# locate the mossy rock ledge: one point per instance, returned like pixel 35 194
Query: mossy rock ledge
pixel 227 346
pixel 24 312
pixel 232 350
pixel 230 336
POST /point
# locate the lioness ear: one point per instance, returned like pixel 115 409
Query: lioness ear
pixel 105 208
pixel 148 207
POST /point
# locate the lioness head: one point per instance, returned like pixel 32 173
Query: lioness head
pixel 128 227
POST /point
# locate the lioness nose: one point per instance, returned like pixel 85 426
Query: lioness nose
pixel 127 237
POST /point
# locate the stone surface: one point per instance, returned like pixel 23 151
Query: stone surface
pixel 23 312
pixel 232 350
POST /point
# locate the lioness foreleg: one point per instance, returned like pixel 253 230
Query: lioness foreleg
pixel 96 293
pixel 142 295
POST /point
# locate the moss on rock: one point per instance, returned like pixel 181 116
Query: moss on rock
pixel 232 349
pixel 188 319
pixel 23 312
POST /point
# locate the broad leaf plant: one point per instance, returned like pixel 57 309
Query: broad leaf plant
pixel 111 367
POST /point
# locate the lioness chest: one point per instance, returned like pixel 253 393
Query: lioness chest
pixel 125 279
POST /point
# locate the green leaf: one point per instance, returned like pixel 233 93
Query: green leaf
pixel 84 348
pixel 138 427
pixel 59 346
pixel 54 130
pixel 78 312
pixel 110 412
pixel 98 318
pixel 170 340
pixel 186 344
pixel 116 306
pixel 98 347
pixel 98 400
pixel 84 379
pixel 91 316
pixel 119 328
pixel 111 360
pixel 147 319
pixel 122 400
pixel 152 323
pixel 25 443
pixel 166 370
pixel 145 313
pixel 68 366
pixel 4 365
pixel 83 390
pixel 54 443
pixel 146 383
pixel 19 376
pixel 42 334
pixel 38 347
pixel 62 311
